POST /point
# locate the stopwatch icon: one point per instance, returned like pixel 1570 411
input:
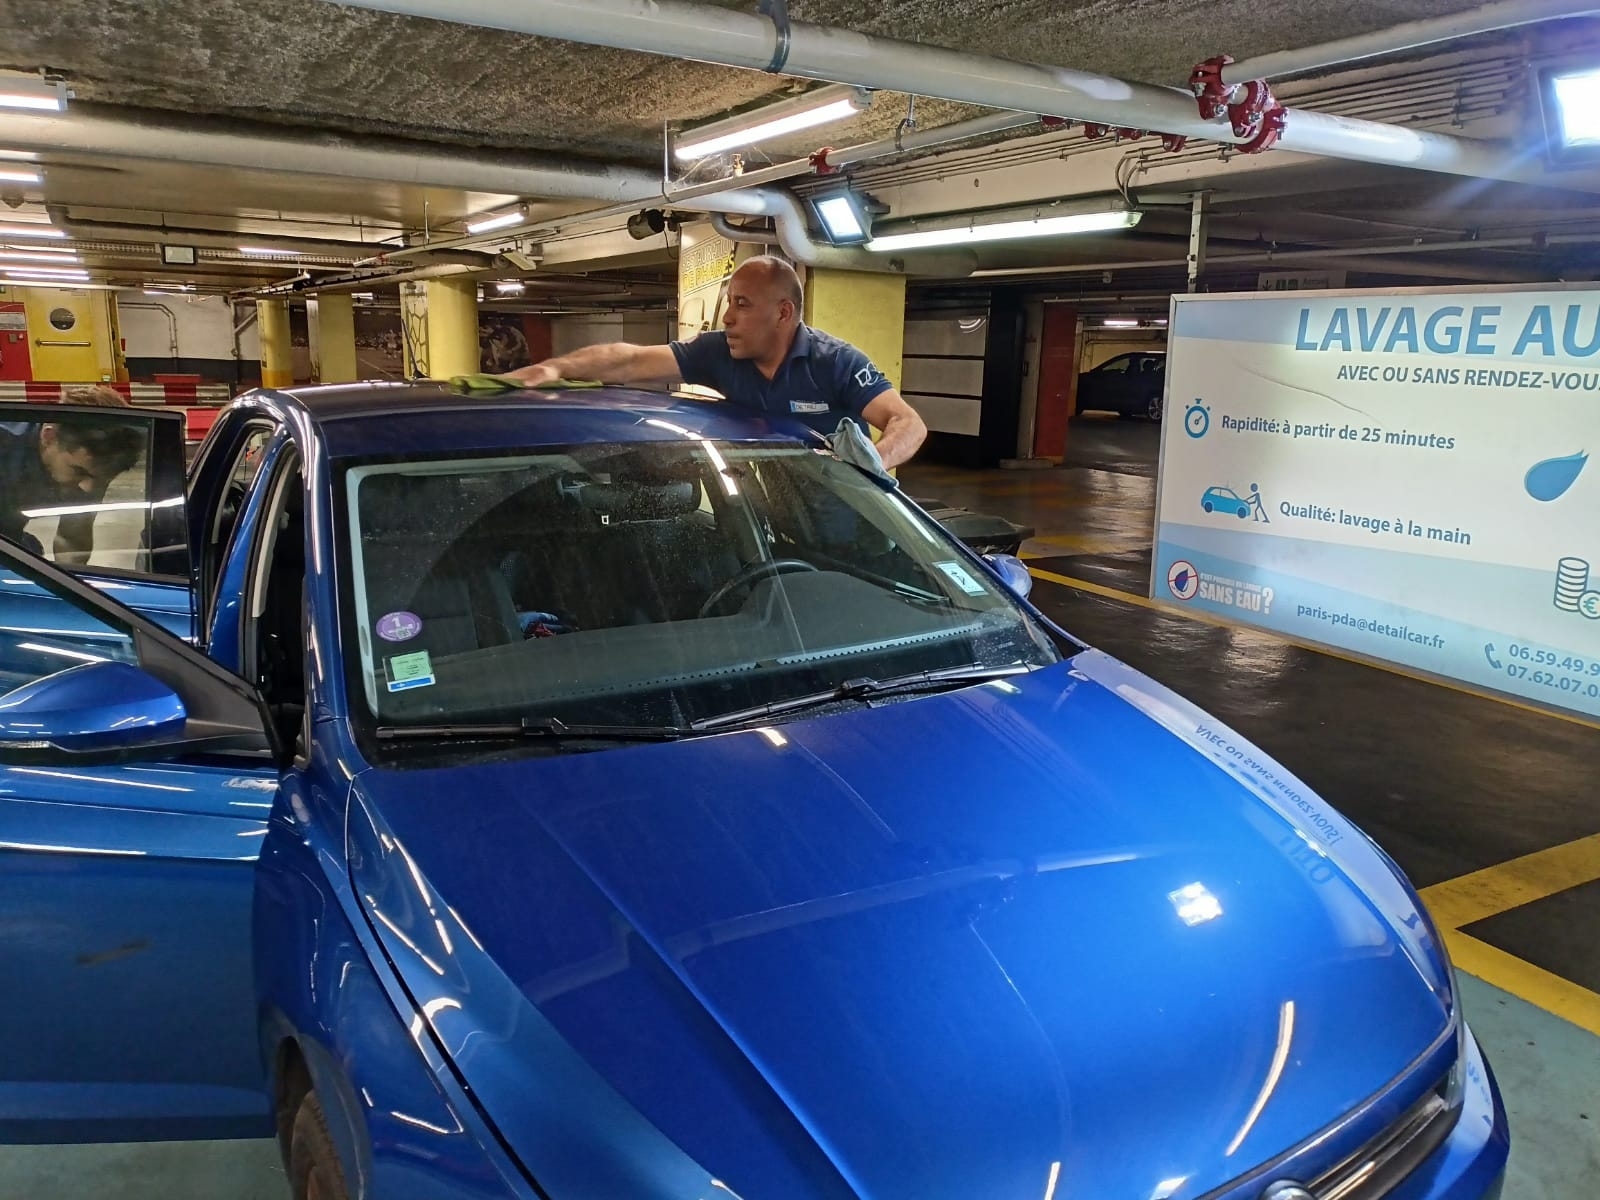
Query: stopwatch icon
pixel 1196 420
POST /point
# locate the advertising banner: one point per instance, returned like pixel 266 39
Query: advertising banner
pixel 1405 475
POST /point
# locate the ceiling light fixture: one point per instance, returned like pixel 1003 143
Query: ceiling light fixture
pixel 1573 99
pixel 265 252
pixel 845 216
pixel 821 107
pixel 25 273
pixel 1001 231
pixel 498 221
pixel 1120 323
pixel 30 92
pixel 51 252
pixel 510 286
pixel 9 255
pixel 40 230
pixel 9 176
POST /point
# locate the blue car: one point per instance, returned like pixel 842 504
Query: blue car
pixel 586 795
pixel 1221 499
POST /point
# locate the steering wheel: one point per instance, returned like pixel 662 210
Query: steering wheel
pixel 753 573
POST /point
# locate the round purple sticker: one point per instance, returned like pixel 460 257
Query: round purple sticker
pixel 399 626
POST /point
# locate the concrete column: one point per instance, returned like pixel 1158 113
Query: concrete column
pixel 868 310
pixel 277 358
pixel 452 328
pixel 335 338
pixel 414 329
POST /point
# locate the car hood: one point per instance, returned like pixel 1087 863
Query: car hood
pixel 1057 933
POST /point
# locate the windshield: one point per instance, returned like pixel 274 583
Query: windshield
pixel 652 584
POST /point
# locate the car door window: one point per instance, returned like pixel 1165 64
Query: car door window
pixel 1117 366
pixel 94 489
pixel 43 633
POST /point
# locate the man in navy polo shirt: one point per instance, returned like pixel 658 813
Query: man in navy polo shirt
pixel 763 358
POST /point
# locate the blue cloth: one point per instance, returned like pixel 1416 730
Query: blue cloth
pixel 820 380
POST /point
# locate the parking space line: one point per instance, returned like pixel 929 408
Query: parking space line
pixel 1541 988
pixel 1460 902
pixel 1205 618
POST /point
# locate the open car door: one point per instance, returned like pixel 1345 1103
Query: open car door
pixel 136 778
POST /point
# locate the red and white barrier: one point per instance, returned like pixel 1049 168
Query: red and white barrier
pixel 201 402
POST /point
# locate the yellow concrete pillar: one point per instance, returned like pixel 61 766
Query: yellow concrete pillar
pixel 335 339
pixel 868 310
pixel 277 357
pixel 452 328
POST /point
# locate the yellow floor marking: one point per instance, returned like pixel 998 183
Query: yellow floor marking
pixel 1537 986
pixel 1205 618
pixel 1457 903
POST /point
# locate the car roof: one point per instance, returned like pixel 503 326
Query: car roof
pixel 389 418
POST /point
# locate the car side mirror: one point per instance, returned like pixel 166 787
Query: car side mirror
pixel 98 711
pixel 1012 573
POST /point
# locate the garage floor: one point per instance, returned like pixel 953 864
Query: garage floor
pixel 1488 805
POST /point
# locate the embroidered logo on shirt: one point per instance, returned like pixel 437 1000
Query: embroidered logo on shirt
pixel 867 376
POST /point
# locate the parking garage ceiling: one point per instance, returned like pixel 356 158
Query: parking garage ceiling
pixel 308 67
pixel 318 65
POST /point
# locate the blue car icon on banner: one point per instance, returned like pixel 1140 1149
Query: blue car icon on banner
pixel 1221 499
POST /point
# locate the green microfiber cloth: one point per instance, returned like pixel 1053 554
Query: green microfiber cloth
pixel 496 384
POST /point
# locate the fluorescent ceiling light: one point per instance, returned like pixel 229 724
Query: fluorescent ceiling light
pixel 1578 99
pixel 40 230
pixel 40 95
pixel 1001 231
pixel 363 296
pixel 498 221
pixel 29 256
pixel 510 286
pixel 43 273
pixel 7 175
pixel 820 107
pixel 1121 323
pixel 264 252
pixel 51 252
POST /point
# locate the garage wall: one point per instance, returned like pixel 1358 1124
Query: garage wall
pixel 1102 345
pixel 186 335
pixel 642 329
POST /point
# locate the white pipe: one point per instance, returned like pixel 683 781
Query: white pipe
pixel 1486 18
pixel 725 37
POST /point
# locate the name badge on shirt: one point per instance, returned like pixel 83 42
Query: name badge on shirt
pixel 807 406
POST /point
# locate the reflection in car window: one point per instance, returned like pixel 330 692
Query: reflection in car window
pixel 75 487
pixel 42 633
pixel 1116 365
pixel 652 584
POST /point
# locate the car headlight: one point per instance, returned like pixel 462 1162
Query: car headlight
pixel 1455 1084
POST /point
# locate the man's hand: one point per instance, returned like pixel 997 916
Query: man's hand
pixel 537 375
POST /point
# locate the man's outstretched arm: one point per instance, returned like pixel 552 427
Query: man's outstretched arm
pixel 614 362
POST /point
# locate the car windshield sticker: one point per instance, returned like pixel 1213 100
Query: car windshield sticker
pixel 961 579
pixel 407 671
pixel 399 626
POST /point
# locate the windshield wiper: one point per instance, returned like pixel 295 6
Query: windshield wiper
pixel 861 689
pixel 536 728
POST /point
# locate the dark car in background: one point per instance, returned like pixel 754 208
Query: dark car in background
pixel 1130 385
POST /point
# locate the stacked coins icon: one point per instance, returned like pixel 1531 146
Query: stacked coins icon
pixel 1572 580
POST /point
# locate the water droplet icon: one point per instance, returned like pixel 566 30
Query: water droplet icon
pixel 1550 479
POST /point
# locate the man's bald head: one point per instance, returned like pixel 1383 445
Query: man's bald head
pixel 764 303
pixel 770 271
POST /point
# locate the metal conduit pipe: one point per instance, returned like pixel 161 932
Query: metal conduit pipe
pixel 355 282
pixel 217 240
pixel 721 189
pixel 702 33
pixel 738 233
pixel 1486 18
